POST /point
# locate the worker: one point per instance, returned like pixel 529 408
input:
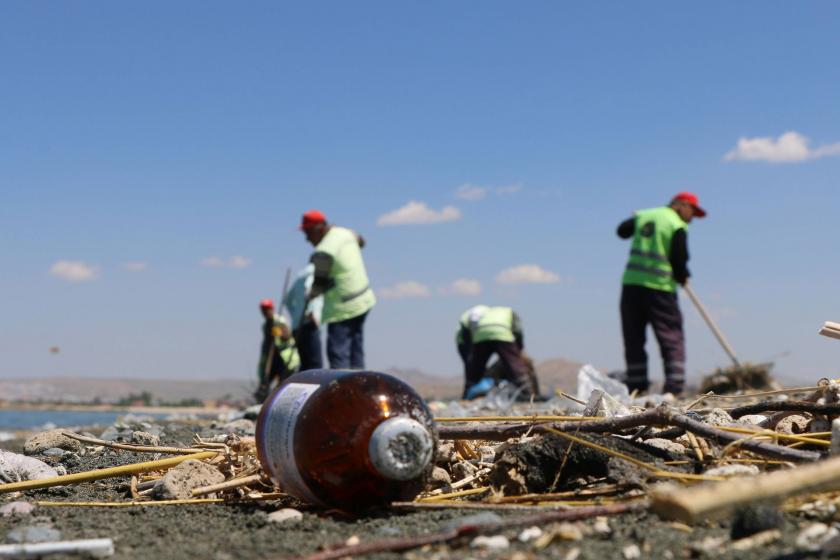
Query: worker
pixel 306 319
pixel 483 331
pixel 658 263
pixel 278 356
pixel 341 277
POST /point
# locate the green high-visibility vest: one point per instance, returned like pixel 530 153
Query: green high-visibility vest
pixel 649 264
pixel 350 294
pixel 287 349
pixel 488 324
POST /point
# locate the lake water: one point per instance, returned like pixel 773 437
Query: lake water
pixel 27 419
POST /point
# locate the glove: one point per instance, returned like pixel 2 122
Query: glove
pixel 480 389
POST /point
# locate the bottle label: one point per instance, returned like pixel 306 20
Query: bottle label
pixel 280 439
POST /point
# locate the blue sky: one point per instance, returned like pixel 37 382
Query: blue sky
pixel 156 157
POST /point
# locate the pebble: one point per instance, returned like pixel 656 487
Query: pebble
pixel 440 478
pixel 815 535
pixel 729 471
pixel 178 482
pixel 39 443
pixel 602 526
pixel 631 552
pixel 144 438
pixel 285 515
pixel 530 534
pixel 752 419
pixel 33 534
pixel 389 531
pixel 352 541
pixel 795 424
pixel 568 532
pixel 496 542
pixel 666 445
pixel 54 452
pixel 17 508
pixel 242 427
pixel 718 417
pixel 483 518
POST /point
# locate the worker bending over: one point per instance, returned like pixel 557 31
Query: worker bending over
pixel 278 356
pixel 483 331
pixel 658 262
pixel 341 277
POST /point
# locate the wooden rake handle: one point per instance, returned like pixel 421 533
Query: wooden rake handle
pixel 714 328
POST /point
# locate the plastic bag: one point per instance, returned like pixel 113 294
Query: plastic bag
pixel 17 468
pixel 590 379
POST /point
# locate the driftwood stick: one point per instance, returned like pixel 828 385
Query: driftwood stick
pixel 227 485
pixel 130 447
pixel 786 406
pixel 711 500
pixel 660 416
pixel 408 543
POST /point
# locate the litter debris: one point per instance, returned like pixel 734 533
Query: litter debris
pixel 37 533
pixel 18 468
pixel 285 515
pixel 17 508
pixel 94 548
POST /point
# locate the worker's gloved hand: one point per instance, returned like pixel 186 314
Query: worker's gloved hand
pixel 480 389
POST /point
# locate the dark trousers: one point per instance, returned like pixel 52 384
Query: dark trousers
pixel 345 343
pixel 308 339
pixel 478 354
pixel 641 306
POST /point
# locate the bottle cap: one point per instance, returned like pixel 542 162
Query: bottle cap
pixel 400 448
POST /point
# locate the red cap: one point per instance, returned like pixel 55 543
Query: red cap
pixel 266 303
pixel 312 218
pixel 692 199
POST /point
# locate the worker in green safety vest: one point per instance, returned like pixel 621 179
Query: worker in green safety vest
pixel 341 277
pixel 657 265
pixel 483 331
pixel 278 356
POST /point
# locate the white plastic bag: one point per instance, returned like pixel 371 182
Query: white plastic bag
pixel 17 468
pixel 590 379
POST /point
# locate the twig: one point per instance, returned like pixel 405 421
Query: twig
pixel 408 543
pixel 131 447
pixel 459 494
pixel 99 474
pixel 660 416
pixel 228 485
pixel 785 406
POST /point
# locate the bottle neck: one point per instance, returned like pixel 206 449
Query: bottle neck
pixel 400 448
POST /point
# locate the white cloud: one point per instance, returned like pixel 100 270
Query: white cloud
pixel 235 261
pixel 790 147
pixel 74 271
pixel 418 213
pixel 135 266
pixel 405 290
pixel 527 274
pixel 471 192
pixel 463 287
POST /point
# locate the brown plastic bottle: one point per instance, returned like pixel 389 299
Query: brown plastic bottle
pixel 351 440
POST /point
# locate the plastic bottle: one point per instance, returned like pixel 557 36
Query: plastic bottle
pixel 351 440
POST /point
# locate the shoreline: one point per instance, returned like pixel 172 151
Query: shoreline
pixel 24 407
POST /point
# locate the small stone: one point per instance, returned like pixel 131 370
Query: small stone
pixel 484 518
pixel 54 452
pixel 815 535
pixel 445 453
pixel 792 425
pixel 39 443
pixel 530 534
pixel 496 542
pixel 352 541
pixel 33 534
pixel 572 554
pixel 17 508
pixel 242 427
pixel 285 515
pixel 388 531
pixel 752 419
pixel 439 478
pixel 631 552
pixel 602 526
pixel 729 471
pixel 488 454
pixel 144 438
pixel 252 412
pixel 718 417
pixel 666 445
pixel 568 532
pixel 179 482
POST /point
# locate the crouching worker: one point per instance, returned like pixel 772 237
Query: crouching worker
pixel 278 356
pixel 484 331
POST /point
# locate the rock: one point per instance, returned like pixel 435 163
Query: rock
pixel 754 519
pixel 352 541
pixel 33 534
pixel 795 424
pixel 819 424
pixel 242 427
pixel 144 438
pixel 752 419
pixel 602 526
pixel 17 508
pixel 54 452
pixel 39 443
pixel 666 445
pixel 285 515
pixel 718 417
pixel 17 468
pixel 730 471
pixel 445 453
pixel 814 536
pixel 439 478
pixel 252 412
pixel 530 534
pixel 496 542
pixel 631 552
pixel 568 532
pixel 178 482
pixel 483 518
pixel 488 454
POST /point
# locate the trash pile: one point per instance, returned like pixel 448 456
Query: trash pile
pixel 556 470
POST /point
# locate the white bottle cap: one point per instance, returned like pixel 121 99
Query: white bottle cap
pixel 400 448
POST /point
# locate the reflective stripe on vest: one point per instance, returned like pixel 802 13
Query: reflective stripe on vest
pixel 649 264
